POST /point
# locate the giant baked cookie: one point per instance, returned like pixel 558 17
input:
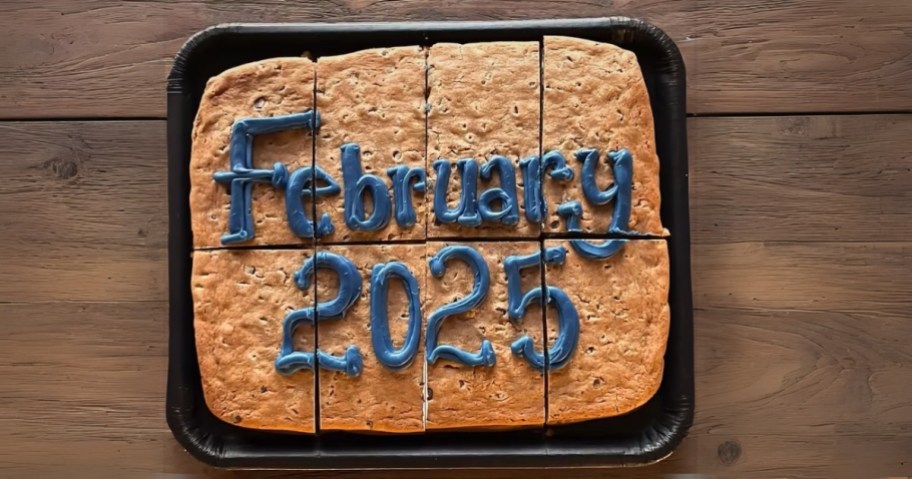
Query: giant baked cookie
pixel 434 237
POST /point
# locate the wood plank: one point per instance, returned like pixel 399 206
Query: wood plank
pixel 86 217
pixel 802 330
pixel 84 211
pixel 833 381
pixel 106 58
pixel 856 277
pixel 820 373
pixel 82 380
pixel 801 178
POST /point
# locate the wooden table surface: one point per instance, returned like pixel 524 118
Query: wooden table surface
pixel 801 201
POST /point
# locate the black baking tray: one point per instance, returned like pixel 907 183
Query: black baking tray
pixel 645 435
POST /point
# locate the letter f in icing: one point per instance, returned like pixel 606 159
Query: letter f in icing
pixel 242 175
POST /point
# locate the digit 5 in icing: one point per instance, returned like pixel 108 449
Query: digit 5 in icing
pixel 517 303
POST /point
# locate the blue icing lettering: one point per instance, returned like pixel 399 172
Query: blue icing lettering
pixel 242 176
pixel 289 360
pixel 482 282
pixel 350 363
pixel 379 315
pixel 561 351
pixel 357 185
pixel 513 266
pixel 300 188
pixel 324 185
pixel 571 211
pixel 405 179
pixel 517 303
pixel 557 164
pixel 530 169
pixel 622 167
pixel 505 194
pixel 466 212
pixel 552 163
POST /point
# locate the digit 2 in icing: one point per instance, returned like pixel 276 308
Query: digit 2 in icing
pixel 482 282
pixel 289 360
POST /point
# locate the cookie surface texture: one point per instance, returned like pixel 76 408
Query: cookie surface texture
pixel 240 298
pixel 595 97
pixel 373 99
pixel 268 88
pixel 511 392
pixel 624 318
pixel 484 101
pixel 380 398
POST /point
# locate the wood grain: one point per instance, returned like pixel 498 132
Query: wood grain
pixel 835 383
pixel 106 58
pixel 802 328
pixel 84 211
pixel 80 379
pixel 801 178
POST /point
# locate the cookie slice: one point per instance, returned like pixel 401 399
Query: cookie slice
pixel 377 378
pixel 490 387
pixel 483 120
pixel 280 89
pixel 622 306
pixel 595 104
pixel 240 301
pixel 371 104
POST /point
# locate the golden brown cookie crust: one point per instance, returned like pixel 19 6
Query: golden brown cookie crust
pixel 380 399
pixel 240 298
pixel 278 86
pixel 374 98
pixel 595 97
pixel 484 100
pixel 624 320
pixel 509 394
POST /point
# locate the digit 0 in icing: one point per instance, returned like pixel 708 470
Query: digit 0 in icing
pixel 381 341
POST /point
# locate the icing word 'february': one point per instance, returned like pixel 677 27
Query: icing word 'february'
pixel 499 204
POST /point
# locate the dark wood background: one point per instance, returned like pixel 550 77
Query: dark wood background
pixel 801 199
